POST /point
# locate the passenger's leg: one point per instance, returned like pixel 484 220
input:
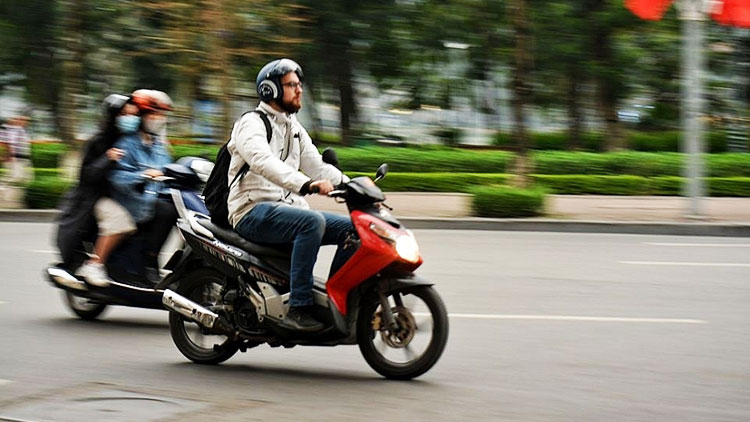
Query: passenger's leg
pixel 115 224
pixel 165 216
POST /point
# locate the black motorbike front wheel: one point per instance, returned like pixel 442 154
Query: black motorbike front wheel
pixel 85 308
pixel 205 287
pixel 414 343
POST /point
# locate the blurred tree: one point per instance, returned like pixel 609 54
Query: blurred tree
pixel 561 58
pixel 27 56
pixel 606 20
pixel 518 13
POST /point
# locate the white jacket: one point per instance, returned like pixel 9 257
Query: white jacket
pixel 276 167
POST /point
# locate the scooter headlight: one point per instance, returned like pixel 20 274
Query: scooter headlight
pixel 405 244
pixel 407 248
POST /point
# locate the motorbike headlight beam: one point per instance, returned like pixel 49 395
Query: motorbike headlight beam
pixel 405 244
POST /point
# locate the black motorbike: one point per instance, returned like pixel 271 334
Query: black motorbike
pixel 125 266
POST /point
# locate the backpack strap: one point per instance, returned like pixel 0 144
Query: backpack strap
pixel 269 134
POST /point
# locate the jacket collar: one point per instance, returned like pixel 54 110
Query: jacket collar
pixel 278 116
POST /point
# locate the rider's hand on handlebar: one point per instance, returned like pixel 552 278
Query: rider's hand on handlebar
pixel 114 154
pixel 153 173
pixel 321 187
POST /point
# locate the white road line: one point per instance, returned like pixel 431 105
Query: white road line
pixel 574 318
pixel 702 245
pixel 687 264
pixel 4 382
pixel 41 251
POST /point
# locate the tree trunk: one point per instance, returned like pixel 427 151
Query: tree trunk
pixel 606 90
pixel 348 109
pixel 520 87
pixel 575 118
pixel 71 45
pixel 221 58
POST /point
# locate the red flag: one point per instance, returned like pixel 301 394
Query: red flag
pixel 733 12
pixel 651 10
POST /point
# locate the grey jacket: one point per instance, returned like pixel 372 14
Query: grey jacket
pixel 278 169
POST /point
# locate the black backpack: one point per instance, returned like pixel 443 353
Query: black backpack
pixel 216 192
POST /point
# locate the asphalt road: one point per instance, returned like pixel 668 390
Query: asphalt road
pixel 544 327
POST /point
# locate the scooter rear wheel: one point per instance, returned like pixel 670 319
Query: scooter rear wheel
pixel 83 307
pixel 412 348
pixel 204 287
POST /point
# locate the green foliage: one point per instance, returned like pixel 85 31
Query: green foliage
pixel 507 202
pixel 436 182
pixel 325 138
pixel 208 151
pixel 729 186
pixel 40 172
pixel 663 141
pixel 424 159
pixel 615 163
pixel 45 192
pixel 728 165
pixel 594 185
pixel 47 155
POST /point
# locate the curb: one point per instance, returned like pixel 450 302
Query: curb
pixel 723 229
pixel 28 216
pixel 571 226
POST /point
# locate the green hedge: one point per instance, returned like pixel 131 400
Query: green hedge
pixel 444 159
pixel 645 164
pixel 435 182
pixel 637 185
pixel 507 202
pixel 45 192
pixel 207 151
pixel 424 159
pixel 576 184
pixel 47 154
pixel 664 141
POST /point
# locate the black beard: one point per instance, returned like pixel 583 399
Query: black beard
pixel 289 107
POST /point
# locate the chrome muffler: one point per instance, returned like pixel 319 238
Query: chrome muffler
pixel 193 311
pixel 65 279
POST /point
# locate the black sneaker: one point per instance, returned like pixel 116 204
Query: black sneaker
pixel 300 319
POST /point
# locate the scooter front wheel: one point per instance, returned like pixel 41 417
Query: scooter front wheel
pixel 413 343
pixel 83 307
pixel 203 286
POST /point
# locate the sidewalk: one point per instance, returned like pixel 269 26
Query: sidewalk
pixel 565 213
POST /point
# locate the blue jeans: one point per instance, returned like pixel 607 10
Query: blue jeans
pixel 270 222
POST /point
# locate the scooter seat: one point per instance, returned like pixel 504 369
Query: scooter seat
pixel 231 237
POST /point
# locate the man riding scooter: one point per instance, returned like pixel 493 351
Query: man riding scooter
pixel 266 204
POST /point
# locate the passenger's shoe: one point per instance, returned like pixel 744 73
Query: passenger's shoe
pixel 95 274
pixel 298 318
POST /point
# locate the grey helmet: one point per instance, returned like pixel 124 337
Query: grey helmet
pixel 268 82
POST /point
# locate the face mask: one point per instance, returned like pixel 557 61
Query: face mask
pixel 128 123
pixel 154 126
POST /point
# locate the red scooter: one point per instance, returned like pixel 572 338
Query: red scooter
pixel 235 293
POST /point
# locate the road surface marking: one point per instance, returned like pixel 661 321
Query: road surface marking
pixel 702 245
pixel 687 264
pixel 41 251
pixel 4 382
pixel 573 318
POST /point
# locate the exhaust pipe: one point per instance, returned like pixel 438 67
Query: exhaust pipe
pixel 194 311
pixel 64 279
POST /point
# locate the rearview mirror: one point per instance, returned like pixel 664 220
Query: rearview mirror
pixel 382 171
pixel 330 157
